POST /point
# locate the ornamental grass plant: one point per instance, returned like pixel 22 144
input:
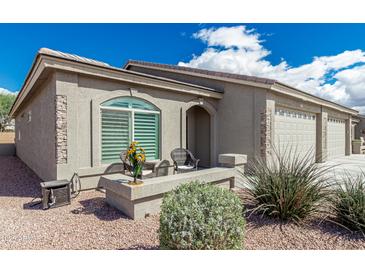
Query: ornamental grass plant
pixel 288 185
pixel 347 202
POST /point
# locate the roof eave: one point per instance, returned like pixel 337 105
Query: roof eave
pixel 55 62
pixel 225 79
pixel 305 96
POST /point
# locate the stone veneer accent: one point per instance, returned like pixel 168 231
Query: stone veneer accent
pixel 61 129
pixel 265 132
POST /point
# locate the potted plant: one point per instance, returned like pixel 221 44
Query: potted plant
pixel 136 156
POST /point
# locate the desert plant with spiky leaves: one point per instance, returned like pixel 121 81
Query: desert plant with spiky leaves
pixel 288 185
pixel 347 202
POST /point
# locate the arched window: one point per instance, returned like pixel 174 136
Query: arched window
pixel 127 119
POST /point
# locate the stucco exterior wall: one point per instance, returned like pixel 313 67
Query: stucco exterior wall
pixel 239 120
pixel 35 131
pixel 238 112
pixel 85 94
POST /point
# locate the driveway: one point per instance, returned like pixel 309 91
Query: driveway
pixel 353 165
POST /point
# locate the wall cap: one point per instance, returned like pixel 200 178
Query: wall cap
pixel 232 159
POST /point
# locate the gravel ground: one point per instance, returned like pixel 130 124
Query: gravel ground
pixel 89 223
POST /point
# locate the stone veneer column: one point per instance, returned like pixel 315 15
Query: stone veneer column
pixel 348 126
pixel 61 129
pixel 322 125
pixel 267 117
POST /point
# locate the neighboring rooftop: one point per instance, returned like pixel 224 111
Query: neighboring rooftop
pixel 203 71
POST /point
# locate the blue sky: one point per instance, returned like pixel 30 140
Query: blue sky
pixel 283 51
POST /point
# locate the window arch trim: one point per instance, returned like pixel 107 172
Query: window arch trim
pixel 130 103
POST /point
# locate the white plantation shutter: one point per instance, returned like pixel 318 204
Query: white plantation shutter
pixel 115 134
pixel 146 133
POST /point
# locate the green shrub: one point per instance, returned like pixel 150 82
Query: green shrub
pixel 201 216
pixel 287 186
pixel 348 202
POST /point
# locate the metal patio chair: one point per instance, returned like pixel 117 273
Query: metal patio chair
pixel 184 160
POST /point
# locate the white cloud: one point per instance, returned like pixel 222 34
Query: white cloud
pixel 6 91
pixel 230 37
pixel 340 78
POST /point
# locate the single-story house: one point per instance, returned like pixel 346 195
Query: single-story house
pixel 74 114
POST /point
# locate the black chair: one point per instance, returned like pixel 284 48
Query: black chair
pixel 184 160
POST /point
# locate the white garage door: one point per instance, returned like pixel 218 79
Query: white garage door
pixel 336 138
pixel 295 130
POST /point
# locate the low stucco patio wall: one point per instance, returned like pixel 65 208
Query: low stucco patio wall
pixel 143 200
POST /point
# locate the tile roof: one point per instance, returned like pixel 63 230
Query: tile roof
pixel 80 59
pixel 72 57
pixel 203 71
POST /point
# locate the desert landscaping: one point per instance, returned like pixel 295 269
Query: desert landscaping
pixel 89 223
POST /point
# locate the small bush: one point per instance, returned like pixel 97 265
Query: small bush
pixel 287 186
pixel 348 202
pixel 201 216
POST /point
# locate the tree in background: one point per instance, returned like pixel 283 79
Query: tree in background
pixel 6 101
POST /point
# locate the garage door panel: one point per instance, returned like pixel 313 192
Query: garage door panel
pixel 295 130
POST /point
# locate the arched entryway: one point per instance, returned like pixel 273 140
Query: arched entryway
pixel 198 134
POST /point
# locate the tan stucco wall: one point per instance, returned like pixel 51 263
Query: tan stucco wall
pixel 84 96
pixel 35 140
pixel 238 112
pixel 239 120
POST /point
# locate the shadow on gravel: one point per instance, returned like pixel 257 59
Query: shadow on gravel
pixel 99 208
pixel 33 205
pixel 17 180
pixel 330 227
pixel 325 226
